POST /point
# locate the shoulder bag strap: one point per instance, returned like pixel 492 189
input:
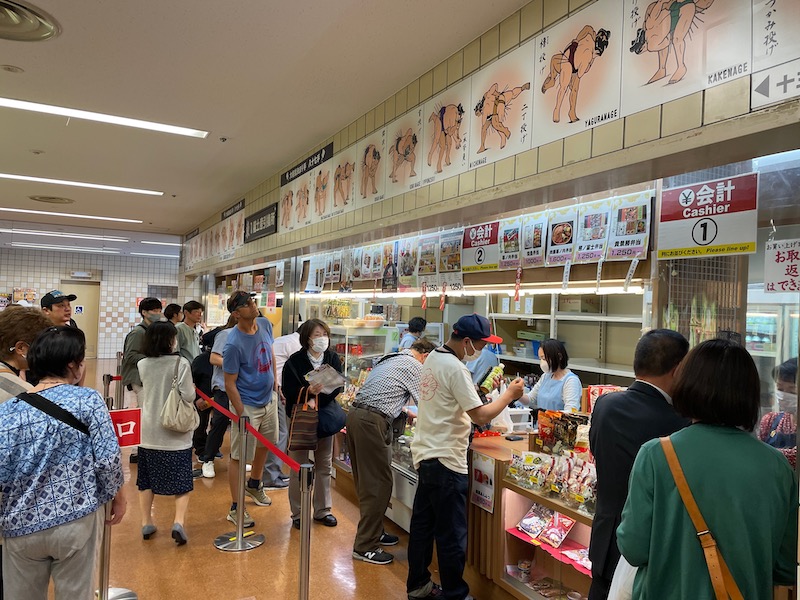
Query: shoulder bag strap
pixel 175 374
pixel 721 577
pixel 54 410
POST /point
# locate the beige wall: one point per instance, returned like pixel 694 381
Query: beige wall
pixel 701 130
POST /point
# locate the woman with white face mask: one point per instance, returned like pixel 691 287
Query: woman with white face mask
pixel 779 429
pixel 558 388
pixel 315 341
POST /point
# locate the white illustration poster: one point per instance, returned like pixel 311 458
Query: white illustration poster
pixel 500 121
pixel 407 251
pixel 345 185
pixel 534 238
pixel 561 235
pixel 673 49
pixel 286 210
pixel 446 133
pixel 594 220
pixel 428 262
pixel 358 264
pixel 371 162
pixel 404 153
pixel 321 192
pixel 303 190
pixel 629 236
pixel 577 73
pixel 775 39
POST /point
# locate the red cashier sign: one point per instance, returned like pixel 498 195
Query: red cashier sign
pixel 480 250
pixel 127 425
pixel 709 218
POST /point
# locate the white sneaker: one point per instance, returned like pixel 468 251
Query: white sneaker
pixel 208 470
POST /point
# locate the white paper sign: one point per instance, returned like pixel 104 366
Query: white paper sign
pixel 593 225
pixel 782 266
pixel 630 226
pixel 483 482
pixel 534 239
pixel 561 235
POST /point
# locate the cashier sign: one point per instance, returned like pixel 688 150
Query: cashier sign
pixel 710 218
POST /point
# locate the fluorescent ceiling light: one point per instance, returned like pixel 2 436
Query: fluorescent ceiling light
pixel 59 234
pixel 162 243
pixel 58 214
pixel 101 117
pixel 82 184
pixel 66 248
pixel 157 255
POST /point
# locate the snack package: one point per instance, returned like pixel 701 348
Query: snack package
pixel 557 530
pixel 580 556
pixel 535 520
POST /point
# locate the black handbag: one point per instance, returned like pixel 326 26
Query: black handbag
pixel 331 419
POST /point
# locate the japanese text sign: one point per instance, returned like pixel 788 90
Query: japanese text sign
pixel 481 250
pixel 782 266
pixel 127 424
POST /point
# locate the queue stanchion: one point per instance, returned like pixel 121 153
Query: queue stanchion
pixel 239 541
pixel 107 379
pixel 306 488
pixel 119 400
pixel 105 592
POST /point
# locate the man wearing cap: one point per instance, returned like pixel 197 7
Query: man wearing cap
pixel 448 405
pixel 56 305
pixel 248 363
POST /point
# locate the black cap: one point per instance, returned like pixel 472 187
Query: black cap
pixel 238 299
pixel 56 296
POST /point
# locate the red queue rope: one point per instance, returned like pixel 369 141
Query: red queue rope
pixel 292 464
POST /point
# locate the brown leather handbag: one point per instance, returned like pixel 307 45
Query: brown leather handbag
pixel 303 431
pixel 721 578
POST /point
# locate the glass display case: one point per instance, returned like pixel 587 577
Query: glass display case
pixel 358 347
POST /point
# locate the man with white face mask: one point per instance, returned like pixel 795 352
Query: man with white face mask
pixel 779 429
pixel 448 405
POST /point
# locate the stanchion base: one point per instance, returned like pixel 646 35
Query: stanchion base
pixel 227 542
pixel 119 594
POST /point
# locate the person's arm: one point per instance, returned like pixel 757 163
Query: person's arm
pixel 485 413
pixel 529 399
pixel 633 533
pixel 185 342
pixel 132 351
pixel 215 359
pixel 571 394
pixel 185 382
pixel 233 393
pixel 118 507
pixel 107 456
pixel 275 385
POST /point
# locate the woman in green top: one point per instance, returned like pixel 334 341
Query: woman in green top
pixel 746 490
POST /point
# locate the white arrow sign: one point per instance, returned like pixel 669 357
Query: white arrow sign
pixel 774 85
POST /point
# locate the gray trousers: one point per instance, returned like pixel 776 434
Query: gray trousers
pixel 323 458
pixel 67 553
pixel 272 468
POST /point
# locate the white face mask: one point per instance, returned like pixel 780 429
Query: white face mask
pixel 475 353
pixel 545 366
pixel 320 344
pixel 787 402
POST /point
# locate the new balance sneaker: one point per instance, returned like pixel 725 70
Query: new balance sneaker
pixel 280 484
pixel 258 495
pixel 376 557
pixel 208 470
pixel 387 539
pixel 248 520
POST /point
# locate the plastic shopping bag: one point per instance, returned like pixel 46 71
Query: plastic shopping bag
pixel 622 583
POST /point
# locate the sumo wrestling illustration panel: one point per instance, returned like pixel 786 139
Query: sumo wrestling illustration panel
pixel 404 153
pixel 321 192
pixel 446 118
pixel 286 208
pixel 577 75
pixel 502 108
pixel 371 159
pixel 775 39
pixel 673 49
pixel 344 187
pixel 303 195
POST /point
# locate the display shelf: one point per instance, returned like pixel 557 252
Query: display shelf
pixel 551 503
pixel 405 471
pixel 519 359
pixel 360 331
pixel 595 366
pixel 521 588
pixel 763 353
pixel 520 317
pixel 342 466
pixel 598 318
pixel 557 553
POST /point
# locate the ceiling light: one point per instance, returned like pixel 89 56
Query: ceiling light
pixel 101 117
pixel 96 186
pixel 58 214
pixel 162 243
pixel 59 234
pixel 66 248
pixel 157 255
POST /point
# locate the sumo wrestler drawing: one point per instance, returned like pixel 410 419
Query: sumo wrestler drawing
pixel 302 203
pixel 342 184
pixel 568 67
pixel 667 25
pixel 402 151
pixel 286 208
pixel 369 168
pixel 320 186
pixel 446 129
pixel 492 110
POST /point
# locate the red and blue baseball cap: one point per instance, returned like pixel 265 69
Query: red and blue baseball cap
pixel 476 327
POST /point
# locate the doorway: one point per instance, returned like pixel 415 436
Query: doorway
pixel 85 310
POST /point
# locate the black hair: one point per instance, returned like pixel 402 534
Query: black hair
pixel 658 352
pixel 149 304
pixel 158 339
pixel 718 384
pixel 308 327
pixel 417 325
pixel 54 350
pixel 786 371
pixel 172 310
pixel 193 305
pixel 555 354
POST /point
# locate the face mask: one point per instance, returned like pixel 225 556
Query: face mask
pixel 545 366
pixel 474 355
pixel 320 344
pixel 154 317
pixel 787 402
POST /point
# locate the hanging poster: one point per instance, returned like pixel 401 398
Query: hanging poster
pixel 594 219
pixel 316 274
pixel 483 482
pixel 775 39
pixel 389 282
pixel 344 181
pixel 303 215
pixel 333 267
pixel 279 274
pixel 510 243
pixel 710 218
pixel 347 270
pixel 629 235
pixel 404 154
pixel 578 72
pixel 286 208
pixel 377 261
pixel 481 250
pixel 450 260
pixel 446 133
pixel 321 191
pixel 561 235
pixel 534 237
pixel 428 262
pixel 682 47
pixel 500 122
pixel 782 266
pixel 358 264
pixel 371 172
pixel 407 251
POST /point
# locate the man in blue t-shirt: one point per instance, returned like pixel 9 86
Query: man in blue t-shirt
pixel 249 366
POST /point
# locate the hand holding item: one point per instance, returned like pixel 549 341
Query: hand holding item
pixel 516 388
pixel 315 388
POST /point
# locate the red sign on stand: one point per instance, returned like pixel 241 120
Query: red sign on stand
pixel 127 425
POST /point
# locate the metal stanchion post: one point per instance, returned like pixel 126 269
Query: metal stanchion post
pixel 238 540
pixel 119 401
pixel 306 487
pixel 105 592
pixel 107 391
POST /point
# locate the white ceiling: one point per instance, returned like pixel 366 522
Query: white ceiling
pixel 275 78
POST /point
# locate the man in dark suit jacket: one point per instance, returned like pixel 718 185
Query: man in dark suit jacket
pixel 621 423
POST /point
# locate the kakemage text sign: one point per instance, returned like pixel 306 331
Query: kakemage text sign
pixel 300 169
pixel 261 224
pixel 710 218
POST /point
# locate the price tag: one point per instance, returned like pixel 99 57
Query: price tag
pixel 631 271
pixel 565 281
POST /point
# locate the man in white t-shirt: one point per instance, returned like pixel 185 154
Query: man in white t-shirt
pixel 448 406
